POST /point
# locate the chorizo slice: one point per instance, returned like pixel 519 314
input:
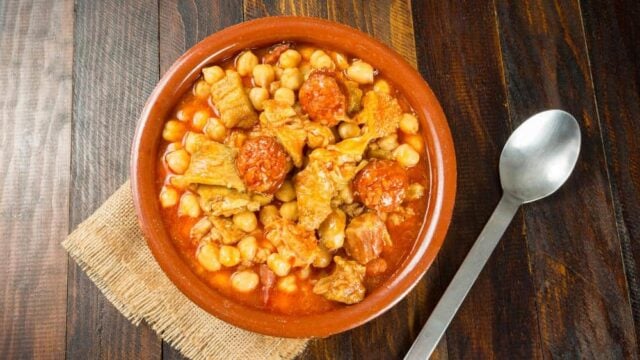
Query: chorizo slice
pixel 263 164
pixel 322 98
pixel 381 185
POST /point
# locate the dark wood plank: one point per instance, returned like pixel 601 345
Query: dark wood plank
pixel 390 335
pixel 459 55
pixel 36 39
pixel 572 239
pixel 115 69
pixel 182 25
pixel 613 36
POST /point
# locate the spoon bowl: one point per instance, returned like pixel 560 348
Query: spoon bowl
pixel 540 155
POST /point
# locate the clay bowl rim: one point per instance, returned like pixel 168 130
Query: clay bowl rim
pixel 261 32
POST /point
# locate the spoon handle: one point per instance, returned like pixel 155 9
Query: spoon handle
pixel 463 280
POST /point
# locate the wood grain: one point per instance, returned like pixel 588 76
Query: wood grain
pixel 35 118
pixel 459 55
pixel 584 311
pixel 182 24
pixel 115 69
pixel 612 36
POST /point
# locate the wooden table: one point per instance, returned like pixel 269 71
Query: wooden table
pixel 563 282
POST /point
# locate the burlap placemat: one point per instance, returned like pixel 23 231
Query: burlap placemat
pixel 110 248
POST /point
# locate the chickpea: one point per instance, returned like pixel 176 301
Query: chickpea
pixel 320 59
pixel 306 52
pixel 245 221
pixel 305 70
pixel 192 141
pixel 215 130
pixel 179 182
pixel 173 130
pixel 290 58
pixel 189 205
pixel 360 72
pixel 229 256
pixel 273 87
pixel 304 273
pixel 168 196
pixel 289 210
pixel 409 124
pixel 341 61
pixel 212 74
pixel 258 95
pixel 202 89
pixel 268 214
pixel 415 141
pixel 346 195
pixel 382 86
pixel 388 142
pixel 200 119
pixel 248 247
pixel 246 62
pixel 207 256
pixel 286 192
pixel 323 258
pixel 261 255
pixel 406 155
pixel 263 75
pixel 348 130
pixel 291 78
pixel 415 191
pixel 287 284
pixel 285 95
pixel 178 161
pixel 278 264
pixel 174 146
pixel 245 280
pixel 331 230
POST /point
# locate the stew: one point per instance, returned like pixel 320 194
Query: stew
pixel 293 178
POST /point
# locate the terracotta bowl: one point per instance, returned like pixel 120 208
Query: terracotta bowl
pixel 228 42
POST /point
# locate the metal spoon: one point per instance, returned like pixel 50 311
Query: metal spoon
pixel 536 160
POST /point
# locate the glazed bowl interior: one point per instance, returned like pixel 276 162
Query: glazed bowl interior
pixel 263 32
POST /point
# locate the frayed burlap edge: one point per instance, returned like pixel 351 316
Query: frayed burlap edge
pixel 110 248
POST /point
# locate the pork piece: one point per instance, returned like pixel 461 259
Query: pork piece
pixel 292 137
pixel 280 120
pixel 321 97
pixel 200 229
pixel 344 284
pixel 274 54
pixel 314 190
pixel 267 279
pixel 293 238
pixel 232 102
pixel 213 163
pixel 223 231
pixel 276 114
pixel 381 185
pixel 221 201
pixel 381 113
pixel 263 164
pixel 366 235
